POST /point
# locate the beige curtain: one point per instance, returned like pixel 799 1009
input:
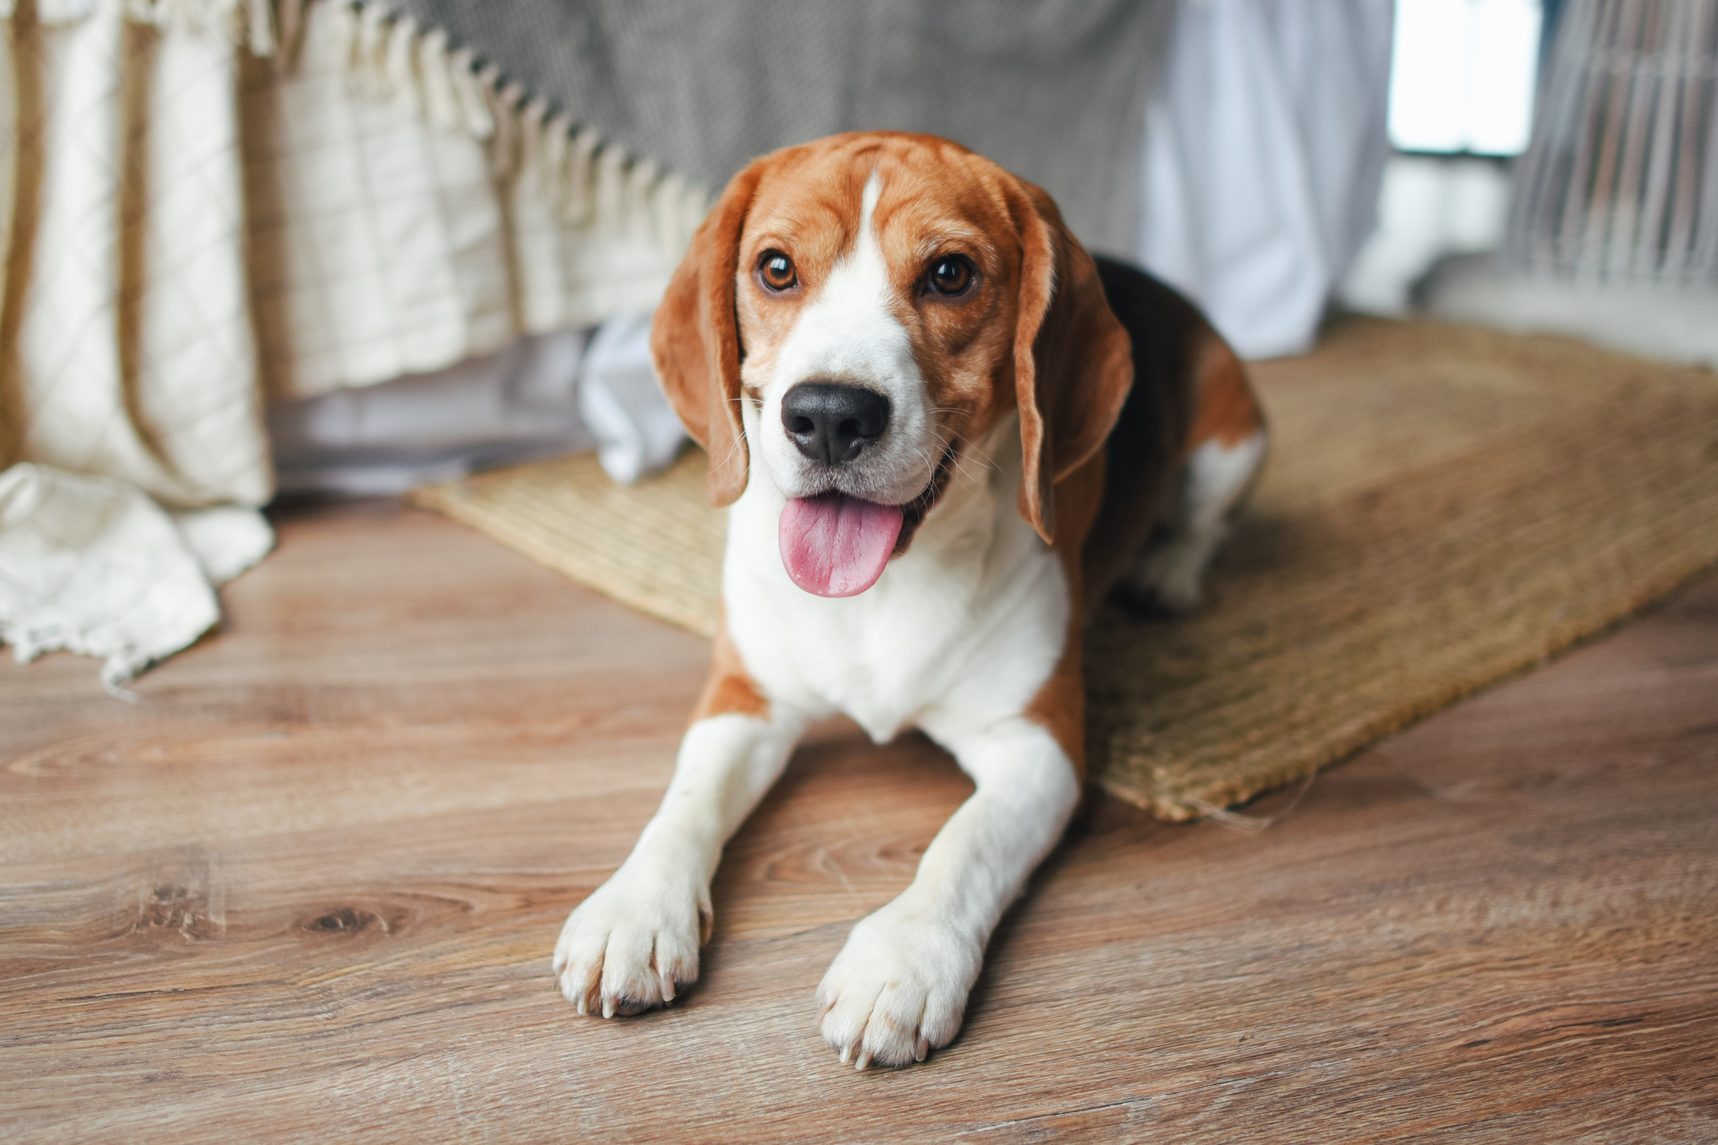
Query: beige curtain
pixel 207 202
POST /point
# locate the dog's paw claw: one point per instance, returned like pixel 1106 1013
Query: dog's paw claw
pixel 623 953
pixel 896 991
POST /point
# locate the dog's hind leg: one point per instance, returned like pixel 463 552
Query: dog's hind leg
pixel 1226 448
pixel 1215 480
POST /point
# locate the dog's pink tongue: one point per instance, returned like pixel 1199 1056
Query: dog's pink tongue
pixel 835 545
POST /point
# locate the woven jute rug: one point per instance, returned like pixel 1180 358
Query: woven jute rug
pixel 1443 506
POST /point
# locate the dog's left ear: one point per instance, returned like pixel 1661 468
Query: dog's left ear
pixel 1073 360
pixel 695 339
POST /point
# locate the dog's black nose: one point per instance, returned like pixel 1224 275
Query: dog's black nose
pixel 833 423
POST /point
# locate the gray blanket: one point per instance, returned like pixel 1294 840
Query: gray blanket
pixel 1053 89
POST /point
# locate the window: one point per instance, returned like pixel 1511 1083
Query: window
pixel 1462 75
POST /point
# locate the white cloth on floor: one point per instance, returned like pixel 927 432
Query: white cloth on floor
pixel 93 565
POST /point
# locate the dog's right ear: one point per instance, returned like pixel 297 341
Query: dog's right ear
pixel 695 339
pixel 1073 360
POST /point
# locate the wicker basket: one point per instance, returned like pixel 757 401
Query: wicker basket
pixel 1620 181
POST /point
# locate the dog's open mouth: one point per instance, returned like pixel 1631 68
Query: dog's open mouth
pixel 837 545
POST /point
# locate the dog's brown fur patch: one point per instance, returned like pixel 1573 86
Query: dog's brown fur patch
pixel 729 689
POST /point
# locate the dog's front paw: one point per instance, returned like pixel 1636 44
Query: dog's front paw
pixel 632 945
pixel 898 988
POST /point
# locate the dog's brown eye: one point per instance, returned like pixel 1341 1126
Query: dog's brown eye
pixel 775 271
pixel 952 274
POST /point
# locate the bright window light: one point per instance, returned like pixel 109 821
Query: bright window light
pixel 1462 75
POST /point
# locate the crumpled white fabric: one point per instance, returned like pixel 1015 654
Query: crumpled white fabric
pixel 637 432
pixel 94 566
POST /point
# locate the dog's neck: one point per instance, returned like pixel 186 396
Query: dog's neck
pixel 982 493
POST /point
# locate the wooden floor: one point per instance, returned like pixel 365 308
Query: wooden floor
pixel 307 887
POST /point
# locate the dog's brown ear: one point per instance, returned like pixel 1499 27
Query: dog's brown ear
pixel 1073 360
pixel 695 339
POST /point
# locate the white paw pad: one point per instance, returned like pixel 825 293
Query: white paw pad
pixel 897 990
pixel 631 946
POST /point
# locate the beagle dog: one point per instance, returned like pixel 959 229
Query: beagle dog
pixel 944 432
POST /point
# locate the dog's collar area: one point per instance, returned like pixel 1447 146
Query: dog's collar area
pixel 913 513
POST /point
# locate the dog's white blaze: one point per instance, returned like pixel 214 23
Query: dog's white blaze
pixel 847 332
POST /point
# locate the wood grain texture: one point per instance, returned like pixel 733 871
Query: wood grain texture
pixel 307 889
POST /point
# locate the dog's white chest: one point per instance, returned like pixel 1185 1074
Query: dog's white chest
pixel 875 657
pixel 972 618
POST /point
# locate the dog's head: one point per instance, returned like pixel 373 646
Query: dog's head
pixel 872 304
